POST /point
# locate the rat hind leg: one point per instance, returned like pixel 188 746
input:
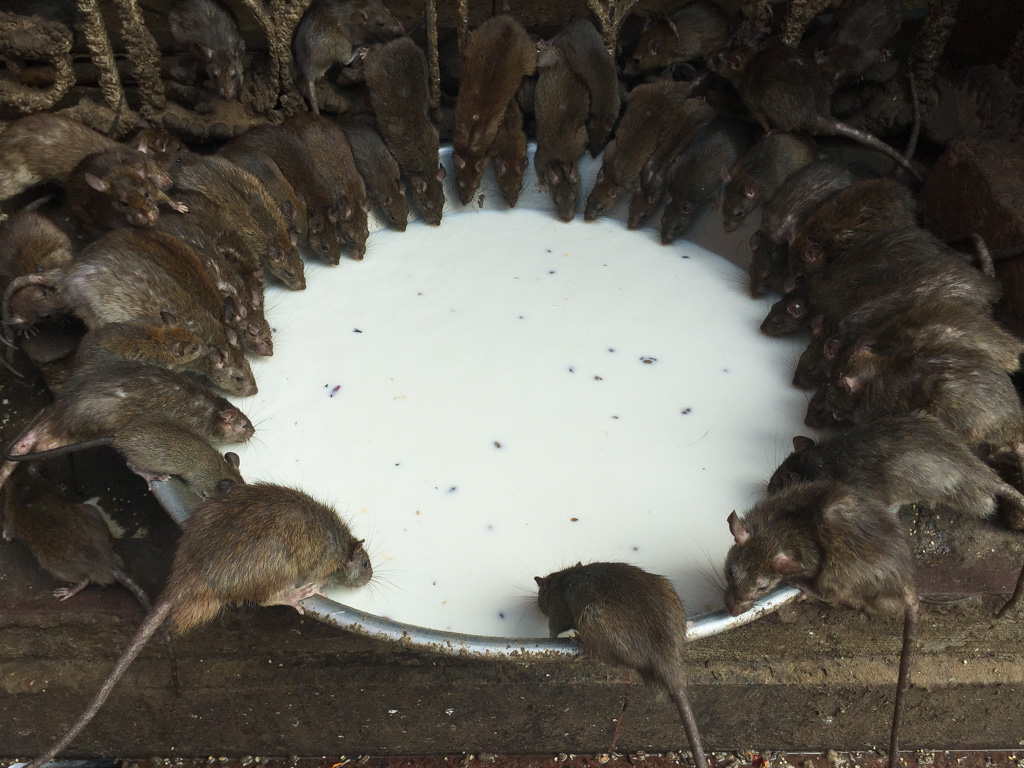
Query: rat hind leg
pixel 293 595
pixel 67 592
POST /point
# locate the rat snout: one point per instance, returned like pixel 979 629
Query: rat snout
pixel 736 607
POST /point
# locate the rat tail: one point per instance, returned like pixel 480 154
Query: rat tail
pixel 837 128
pixel 149 626
pixel 60 450
pixel 911 610
pixel 675 680
pixel 128 583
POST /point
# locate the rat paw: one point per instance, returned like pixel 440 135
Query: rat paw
pixel 179 207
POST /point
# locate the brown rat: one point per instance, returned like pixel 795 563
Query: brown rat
pixel 30 243
pixel 583 50
pixel 209 33
pixel 495 58
pixel 396 76
pixel 695 176
pixel 797 199
pixel 785 90
pixel 862 30
pixel 508 154
pixel 846 218
pixel 328 146
pixel 835 543
pixel 379 170
pixel 691 32
pixel 333 31
pixel 761 172
pixel 169 345
pixel 653 112
pixel 561 106
pixel 258 543
pixel 70 541
pixel 293 207
pixel 626 617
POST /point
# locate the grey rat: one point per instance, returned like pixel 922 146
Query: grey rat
pixel 903 460
pixel 379 169
pixel 258 543
pixel 797 199
pixel 626 617
pixel 582 48
pixel 835 543
pixel 561 106
pixel 69 540
pixel 785 90
pixel 328 146
pixel 761 172
pixel 396 76
pixel 495 58
pixel 335 31
pixel 846 218
pixel 209 33
pixel 691 32
pixel 695 176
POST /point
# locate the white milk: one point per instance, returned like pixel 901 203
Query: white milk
pixel 499 397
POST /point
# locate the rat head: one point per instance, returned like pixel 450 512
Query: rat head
pixel 508 173
pixel 742 195
pixel 853 375
pixel 296 220
pixel 165 150
pixel 355 570
pixel 394 205
pixel 352 225
pixel 182 346
pixel 230 477
pixel 563 182
pixel 676 218
pixel 374 22
pixel 790 313
pixel 642 205
pixel 657 48
pixel 323 236
pixel 229 370
pixel 469 169
pixel 766 262
pixel 551 600
pixel 755 564
pixel 428 194
pixel 233 426
pixel 818 416
pixel 804 463
pixel 128 195
pixel 224 67
pixel 253 330
pixel 603 196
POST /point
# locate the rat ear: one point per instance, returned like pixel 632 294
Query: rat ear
pixel 457 160
pixel 574 174
pixel 749 189
pixel 739 531
pixel 553 178
pixel 818 325
pixel 579 564
pixel 168 317
pixel 865 344
pixel 442 173
pixel 366 206
pixel 232 336
pixel 479 167
pixel 831 348
pixel 232 458
pixel 600 175
pixel 207 53
pixel 353 548
pixel 217 356
pixel 293 237
pixel 539 580
pixel 786 565
pixel 228 416
pixel 789 285
pixel 523 164
pixel 813 253
pixel 500 169
pixel 419 184
pixel 94 181
pixel 288 210
pixel 275 253
pixel 143 144
pixel 802 443
pixel 179 348
pixel 724 174
pixel 755 240
pixel 850 384
pixel 359 17
pixel 231 309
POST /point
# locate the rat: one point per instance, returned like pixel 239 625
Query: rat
pixel 797 199
pixel 653 112
pixel 786 90
pixel 258 543
pixel 170 345
pixel 582 48
pixel 691 32
pixel 69 540
pixel 379 170
pixel 626 617
pixel 508 154
pixel 209 33
pixel 495 58
pixel 847 217
pixel 561 107
pixel 833 542
pixel 30 243
pixel 396 76
pixel 332 158
pixel 106 191
pixel 246 203
pixel 862 30
pixel 903 460
pixel 335 31
pixel 759 174
pixel 695 176
pixel 292 206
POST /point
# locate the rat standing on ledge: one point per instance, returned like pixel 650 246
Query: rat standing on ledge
pixel 626 617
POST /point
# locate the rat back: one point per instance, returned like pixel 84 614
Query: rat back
pixel 30 242
pixel 800 195
pixel 583 49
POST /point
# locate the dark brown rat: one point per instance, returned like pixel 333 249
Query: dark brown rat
pixel 561 106
pixel 761 172
pixel 862 30
pixel 30 243
pixel 846 218
pixel 626 617
pixel 264 168
pixel 332 157
pixel 70 541
pixel 653 112
pixel 379 169
pixel 797 199
pixel 785 90
pixel 508 154
pixel 583 50
pixel 695 176
pixel 209 33
pixel 691 32
pixel 495 58
pixel 835 543
pixel 334 31
pixel 258 543
pixel 911 459
pixel 396 76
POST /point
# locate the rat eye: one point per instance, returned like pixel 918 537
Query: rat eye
pixel 324 248
pixel 146 195
pixel 123 203
pixel 796 309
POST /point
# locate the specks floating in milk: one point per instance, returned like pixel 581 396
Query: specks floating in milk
pixel 457 425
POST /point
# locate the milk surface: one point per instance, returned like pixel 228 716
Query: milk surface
pixel 505 395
